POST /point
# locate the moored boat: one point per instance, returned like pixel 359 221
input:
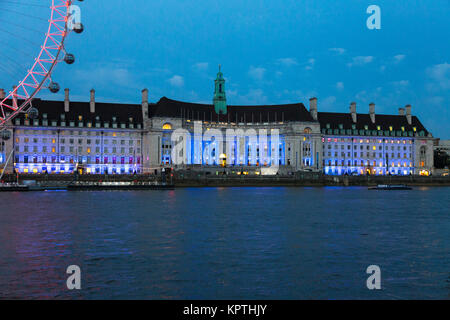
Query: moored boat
pixel 92 186
pixel 10 187
pixel 391 187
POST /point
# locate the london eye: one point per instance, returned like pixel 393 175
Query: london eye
pixel 32 43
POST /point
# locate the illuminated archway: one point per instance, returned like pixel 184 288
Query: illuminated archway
pixel 167 126
pixel 223 159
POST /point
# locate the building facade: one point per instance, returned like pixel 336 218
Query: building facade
pixel 70 136
pixel 104 138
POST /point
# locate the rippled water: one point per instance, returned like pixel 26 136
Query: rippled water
pixel 226 243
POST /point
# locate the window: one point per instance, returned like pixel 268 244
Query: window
pixel 167 126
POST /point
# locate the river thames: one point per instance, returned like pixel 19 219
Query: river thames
pixel 226 243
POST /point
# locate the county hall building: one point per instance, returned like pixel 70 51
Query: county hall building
pixel 59 137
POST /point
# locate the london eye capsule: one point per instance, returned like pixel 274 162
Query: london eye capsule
pixel 69 58
pixel 33 113
pixel 53 87
pixel 6 135
pixel 78 27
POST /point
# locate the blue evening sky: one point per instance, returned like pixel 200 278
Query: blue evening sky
pixel 271 52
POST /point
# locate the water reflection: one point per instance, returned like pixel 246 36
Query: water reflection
pixel 236 243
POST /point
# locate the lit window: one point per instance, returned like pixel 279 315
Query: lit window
pixel 390 128
pixel 167 126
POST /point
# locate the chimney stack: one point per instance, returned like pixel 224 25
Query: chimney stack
pixel 92 102
pixel 401 111
pixel 66 100
pixel 353 111
pixel 313 108
pixel 372 112
pixel 408 114
pixel 2 94
pixel 145 103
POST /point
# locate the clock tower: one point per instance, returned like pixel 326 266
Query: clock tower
pixel 220 99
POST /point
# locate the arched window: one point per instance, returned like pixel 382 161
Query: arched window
pixel 423 156
pixel 307 149
pixel 307 131
pixel 423 151
pixel 167 126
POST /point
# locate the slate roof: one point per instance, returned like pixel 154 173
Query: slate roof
pixel 343 121
pixel 194 111
pixel 124 113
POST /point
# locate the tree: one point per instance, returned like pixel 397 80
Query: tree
pixel 441 159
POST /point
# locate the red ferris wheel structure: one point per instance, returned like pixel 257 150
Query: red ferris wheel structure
pixel 62 21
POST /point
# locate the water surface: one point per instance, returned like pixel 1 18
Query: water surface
pixel 226 243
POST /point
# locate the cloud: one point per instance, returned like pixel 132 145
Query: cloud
pixel 398 58
pixel 337 50
pixel 373 95
pixel 287 62
pixel 201 66
pixel 118 73
pixel 176 81
pixel 328 103
pixel 401 83
pixel 311 63
pixel 340 85
pixel 360 61
pixel 257 73
pixel 440 75
pixel 435 100
pixel 253 97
